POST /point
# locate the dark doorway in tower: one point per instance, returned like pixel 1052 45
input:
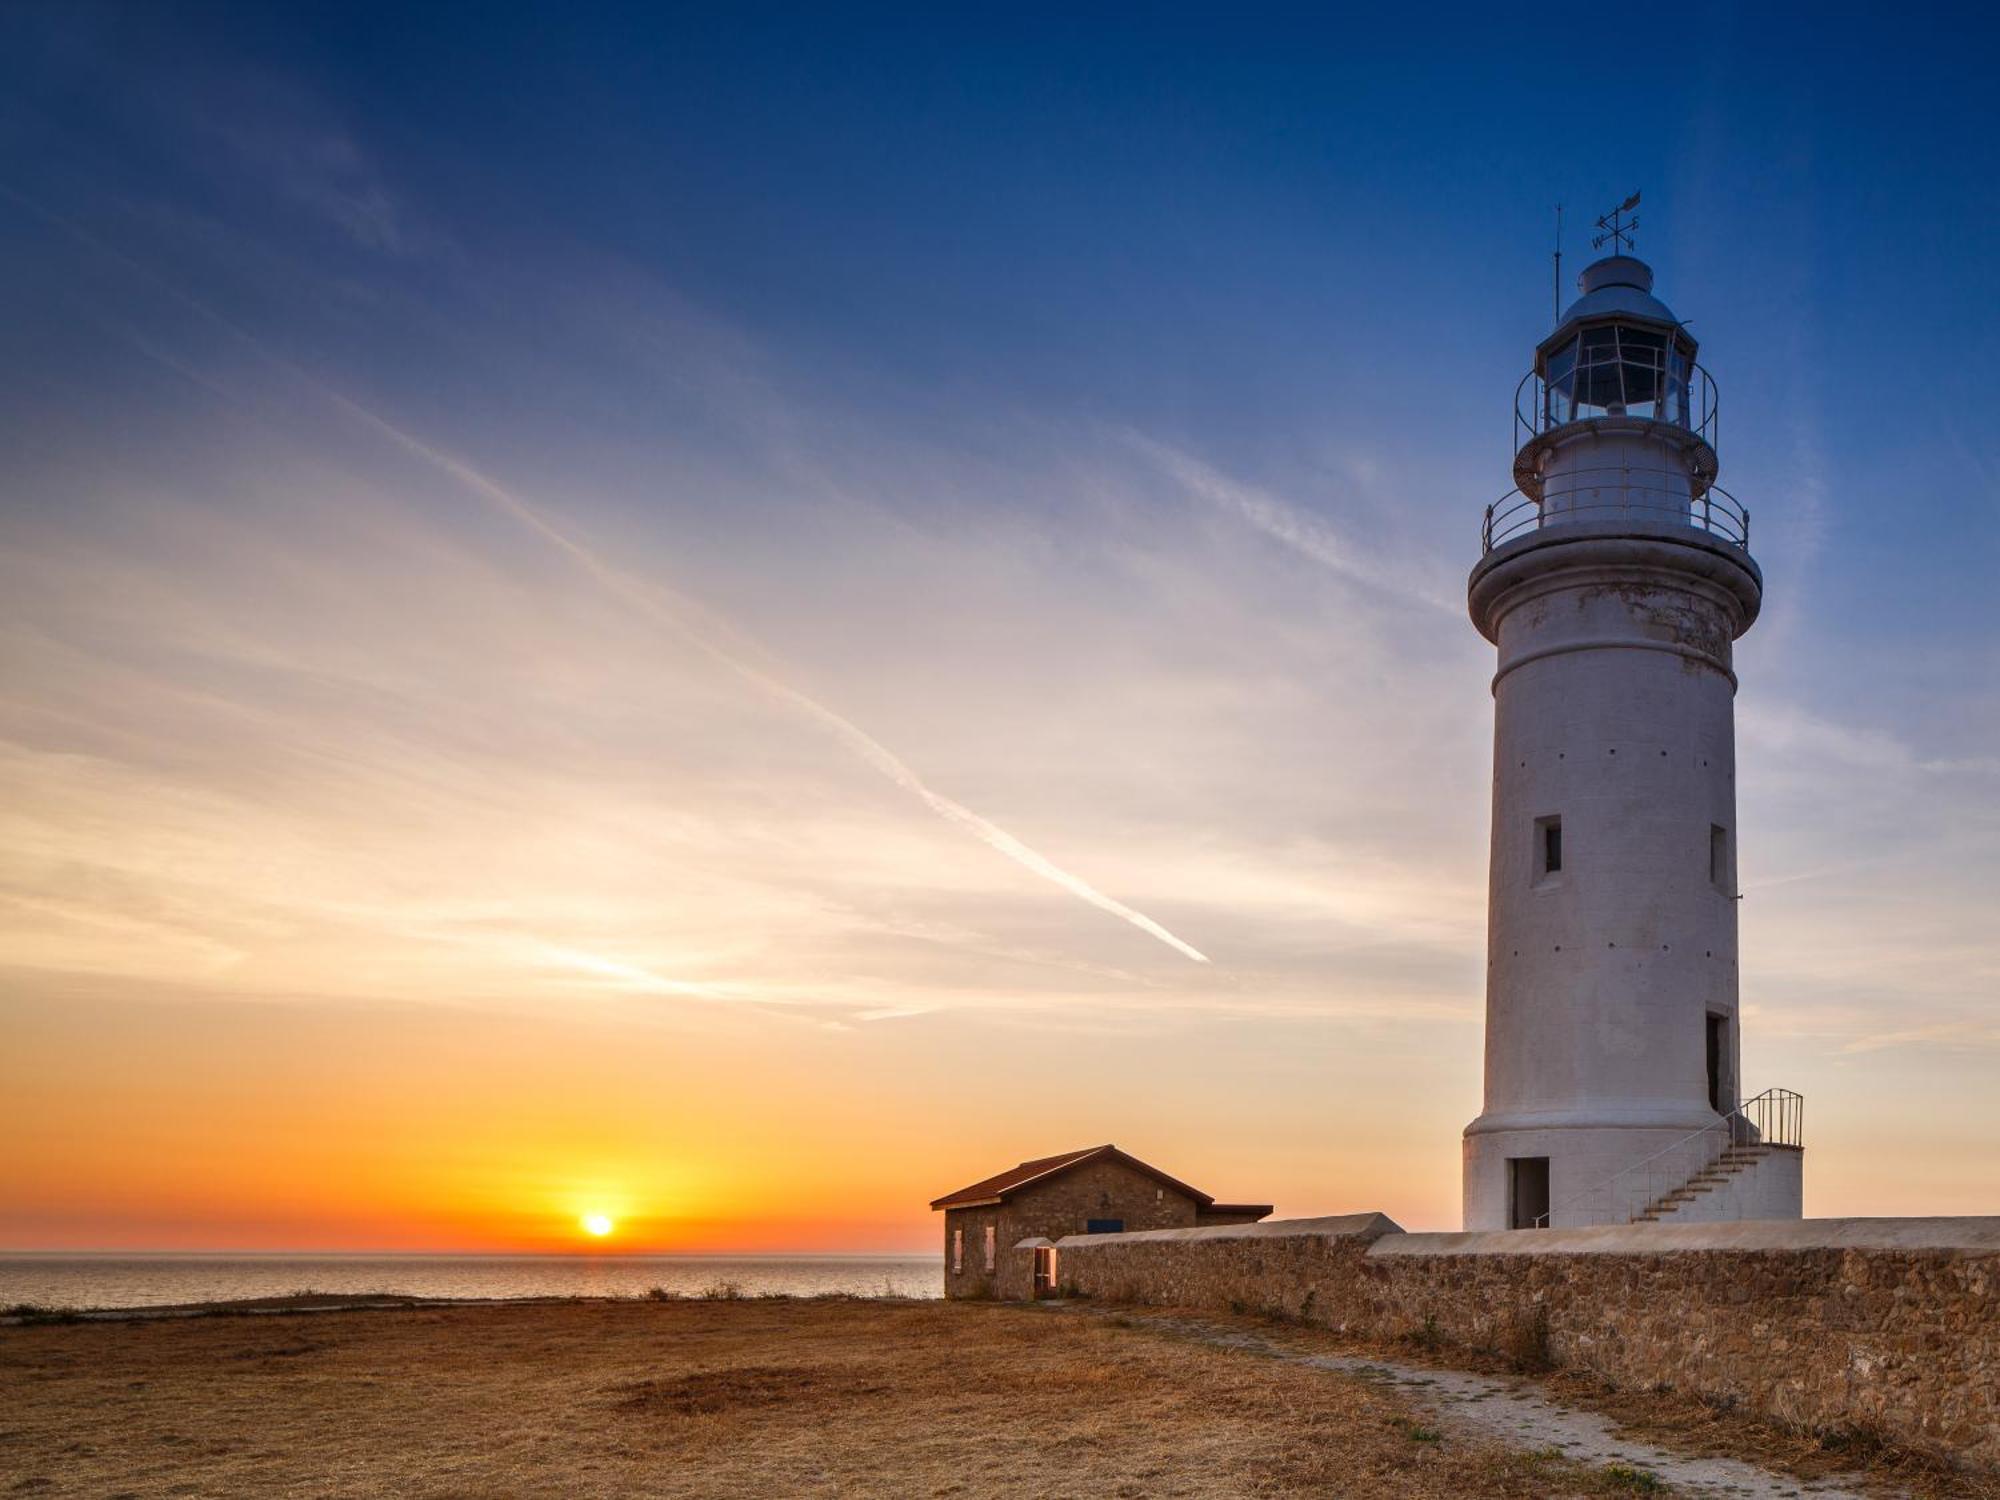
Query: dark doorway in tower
pixel 1527 1192
pixel 1718 1062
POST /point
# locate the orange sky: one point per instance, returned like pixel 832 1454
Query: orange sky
pixel 215 1124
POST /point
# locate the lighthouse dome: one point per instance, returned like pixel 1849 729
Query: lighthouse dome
pixel 1618 286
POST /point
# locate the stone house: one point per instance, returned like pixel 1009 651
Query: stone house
pixel 991 1227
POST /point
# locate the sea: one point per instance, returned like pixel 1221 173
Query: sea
pixel 121 1280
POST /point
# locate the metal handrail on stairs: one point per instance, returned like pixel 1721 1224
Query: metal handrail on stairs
pixel 1775 1117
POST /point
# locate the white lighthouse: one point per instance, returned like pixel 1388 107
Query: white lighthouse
pixel 1614 582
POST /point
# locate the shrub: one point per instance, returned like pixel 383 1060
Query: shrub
pixel 38 1312
pixel 1623 1479
pixel 1527 1344
pixel 1427 1337
pixel 1860 1444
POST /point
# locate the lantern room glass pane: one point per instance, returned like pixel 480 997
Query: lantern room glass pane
pixel 1642 354
pixel 1677 387
pixel 1599 389
pixel 1560 376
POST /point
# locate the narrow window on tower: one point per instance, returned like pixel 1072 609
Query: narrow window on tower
pixel 1718 857
pixel 1548 848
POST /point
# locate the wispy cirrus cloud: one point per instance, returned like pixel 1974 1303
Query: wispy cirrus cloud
pixel 1952 1035
pixel 1293 527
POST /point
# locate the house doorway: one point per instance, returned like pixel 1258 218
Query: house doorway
pixel 1045 1271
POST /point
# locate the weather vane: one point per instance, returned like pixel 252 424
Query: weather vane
pixel 1617 228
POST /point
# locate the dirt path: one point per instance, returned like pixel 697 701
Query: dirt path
pixel 1517 1413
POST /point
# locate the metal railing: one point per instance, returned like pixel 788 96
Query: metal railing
pixel 1651 498
pixel 1695 407
pixel 1775 1117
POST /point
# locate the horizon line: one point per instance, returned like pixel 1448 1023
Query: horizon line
pixel 579 1254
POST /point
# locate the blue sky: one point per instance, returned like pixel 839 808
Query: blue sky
pixel 612 517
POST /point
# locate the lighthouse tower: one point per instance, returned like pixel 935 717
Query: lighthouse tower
pixel 1614 582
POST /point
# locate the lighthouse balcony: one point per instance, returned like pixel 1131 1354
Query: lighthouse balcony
pixel 1655 502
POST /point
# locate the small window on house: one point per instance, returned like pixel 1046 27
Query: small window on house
pixel 992 1247
pixel 1548 847
pixel 1718 857
pixel 1103 1226
pixel 957 1251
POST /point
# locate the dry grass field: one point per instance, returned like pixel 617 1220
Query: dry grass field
pixel 738 1398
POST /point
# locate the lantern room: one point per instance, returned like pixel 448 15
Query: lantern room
pixel 1618 352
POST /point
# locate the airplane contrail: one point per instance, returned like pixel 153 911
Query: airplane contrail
pixel 641 597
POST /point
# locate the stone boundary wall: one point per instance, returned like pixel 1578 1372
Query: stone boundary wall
pixel 1889 1327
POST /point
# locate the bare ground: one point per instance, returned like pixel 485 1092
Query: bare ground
pixel 750 1398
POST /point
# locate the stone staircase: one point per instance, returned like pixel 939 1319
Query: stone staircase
pixel 1746 1164
pixel 1718 1174
pixel 1725 1188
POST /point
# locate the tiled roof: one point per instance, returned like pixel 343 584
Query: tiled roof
pixel 997 1188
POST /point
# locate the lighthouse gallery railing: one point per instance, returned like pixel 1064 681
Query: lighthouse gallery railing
pixel 1775 1117
pixel 1642 497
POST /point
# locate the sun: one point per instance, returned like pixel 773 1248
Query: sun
pixel 598 1225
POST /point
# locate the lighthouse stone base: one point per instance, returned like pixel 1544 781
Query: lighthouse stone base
pixel 1619 1175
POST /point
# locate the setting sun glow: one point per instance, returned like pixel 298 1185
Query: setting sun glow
pixel 598 1224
